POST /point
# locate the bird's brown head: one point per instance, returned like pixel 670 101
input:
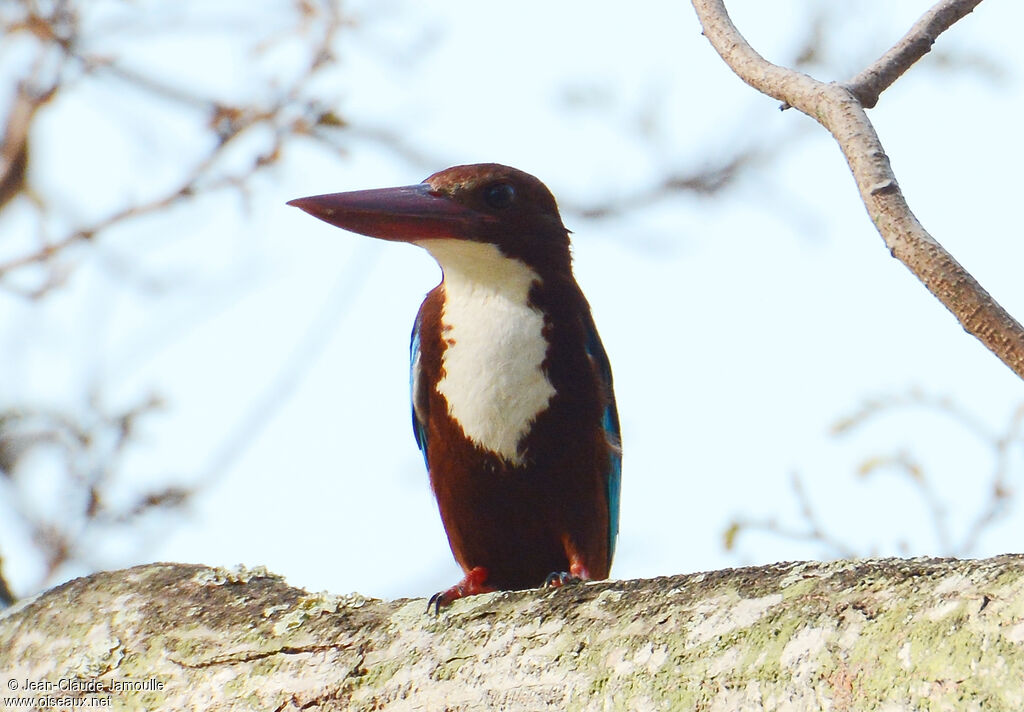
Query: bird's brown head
pixel 484 202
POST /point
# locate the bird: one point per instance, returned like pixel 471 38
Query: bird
pixel 513 407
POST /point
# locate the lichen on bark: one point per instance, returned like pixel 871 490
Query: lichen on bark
pixel 887 634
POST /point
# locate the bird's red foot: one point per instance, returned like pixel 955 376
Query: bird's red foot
pixel 577 572
pixel 472 584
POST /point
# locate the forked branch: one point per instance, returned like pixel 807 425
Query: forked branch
pixel 840 108
pixel 869 84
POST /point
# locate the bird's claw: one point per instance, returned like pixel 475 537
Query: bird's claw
pixel 438 601
pixel 557 579
pixel 577 572
pixel 472 584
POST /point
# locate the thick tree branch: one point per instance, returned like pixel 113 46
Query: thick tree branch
pixel 884 634
pixel 836 108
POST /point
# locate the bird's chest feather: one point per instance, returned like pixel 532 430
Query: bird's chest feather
pixel 492 374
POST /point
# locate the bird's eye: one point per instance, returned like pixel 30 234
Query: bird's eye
pixel 499 195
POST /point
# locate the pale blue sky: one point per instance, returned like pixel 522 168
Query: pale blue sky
pixel 739 327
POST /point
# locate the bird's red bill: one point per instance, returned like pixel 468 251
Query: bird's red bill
pixel 406 214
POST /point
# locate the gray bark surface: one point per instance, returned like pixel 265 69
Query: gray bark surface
pixel 886 634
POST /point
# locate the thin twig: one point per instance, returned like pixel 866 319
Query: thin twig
pixel 702 181
pixel 812 531
pixel 903 463
pixel 289 115
pixel 1002 444
pixel 1000 492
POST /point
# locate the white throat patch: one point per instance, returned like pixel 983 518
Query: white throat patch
pixel 492 376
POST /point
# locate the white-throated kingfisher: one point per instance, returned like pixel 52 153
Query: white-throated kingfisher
pixel 512 397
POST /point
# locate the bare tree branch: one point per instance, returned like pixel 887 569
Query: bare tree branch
pixel 14 145
pixel 869 84
pixel 704 180
pixel 951 536
pixel 851 635
pixel 6 596
pixel 813 530
pixel 91 447
pixel 288 114
pixel 836 108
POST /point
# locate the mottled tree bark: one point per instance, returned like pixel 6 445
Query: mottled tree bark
pixel 879 634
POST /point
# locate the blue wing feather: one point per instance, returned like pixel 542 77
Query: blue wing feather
pixel 419 401
pixel 610 422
